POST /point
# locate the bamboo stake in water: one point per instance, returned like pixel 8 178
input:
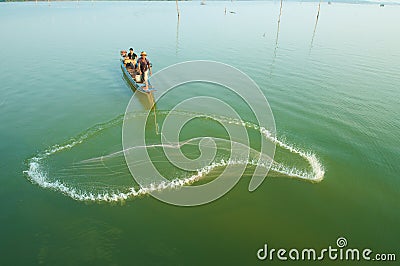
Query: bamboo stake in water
pixel 277 36
pixel 279 23
pixel 177 8
pixel 315 26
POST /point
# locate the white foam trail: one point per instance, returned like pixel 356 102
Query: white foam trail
pixel 38 175
pixel 318 170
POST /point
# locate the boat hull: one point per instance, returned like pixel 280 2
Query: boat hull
pixel 135 85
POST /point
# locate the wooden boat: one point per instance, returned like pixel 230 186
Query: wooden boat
pixel 130 74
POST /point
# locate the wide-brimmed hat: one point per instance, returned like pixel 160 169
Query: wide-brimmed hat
pixel 143 53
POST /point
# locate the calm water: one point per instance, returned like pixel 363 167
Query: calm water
pixel 334 91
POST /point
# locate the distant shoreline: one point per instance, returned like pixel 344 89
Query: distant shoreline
pixel 308 1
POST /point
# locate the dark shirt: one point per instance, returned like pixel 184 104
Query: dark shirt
pixel 132 56
pixel 144 64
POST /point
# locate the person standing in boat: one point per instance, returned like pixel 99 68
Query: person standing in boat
pixel 144 68
pixel 132 56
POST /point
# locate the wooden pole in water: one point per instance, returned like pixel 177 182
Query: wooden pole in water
pixel 315 26
pixel 177 8
pixel 277 37
pixel 279 23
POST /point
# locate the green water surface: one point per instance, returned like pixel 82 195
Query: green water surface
pixel 333 89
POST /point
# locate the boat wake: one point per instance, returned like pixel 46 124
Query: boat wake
pixel 69 169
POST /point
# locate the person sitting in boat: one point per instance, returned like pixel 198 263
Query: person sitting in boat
pixel 125 57
pixel 132 56
pixel 144 68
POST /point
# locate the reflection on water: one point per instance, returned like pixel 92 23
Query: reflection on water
pixel 177 37
pixel 145 99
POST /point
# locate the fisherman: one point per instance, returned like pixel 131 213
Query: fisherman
pixel 144 68
pixel 132 56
